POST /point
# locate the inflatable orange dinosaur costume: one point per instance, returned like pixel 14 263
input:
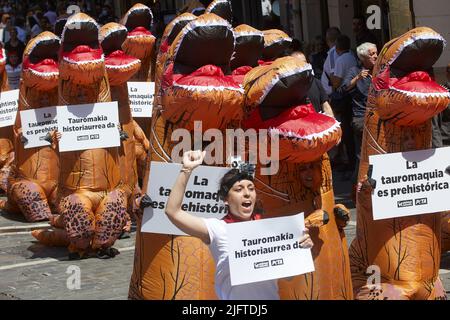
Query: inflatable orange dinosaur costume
pixel 93 202
pixel 140 43
pixel 33 185
pixel 275 100
pixel 196 88
pixel 6 133
pixel 402 100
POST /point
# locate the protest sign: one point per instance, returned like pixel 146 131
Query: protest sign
pixel 267 249
pixel 141 95
pixel 9 102
pixel 410 183
pixel 88 126
pixel 201 197
pixel 36 124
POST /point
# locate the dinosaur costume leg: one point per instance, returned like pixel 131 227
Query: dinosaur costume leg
pixel 79 220
pixel 31 199
pixel 110 219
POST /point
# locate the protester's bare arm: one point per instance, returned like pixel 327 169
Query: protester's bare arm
pixel 184 221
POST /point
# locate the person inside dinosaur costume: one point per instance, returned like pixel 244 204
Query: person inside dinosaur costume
pixel 402 100
pixel 197 85
pixel 121 67
pixel 6 133
pixel 276 101
pixel 93 201
pixel 33 184
pixel 140 43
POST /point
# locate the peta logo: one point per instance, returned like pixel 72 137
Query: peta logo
pixel 374 19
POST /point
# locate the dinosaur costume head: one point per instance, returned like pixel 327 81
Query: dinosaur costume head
pixel 140 41
pixel 173 29
pixel 81 57
pixel 401 77
pixel 197 84
pixel 276 101
pixel 222 8
pixel 119 66
pixel 40 62
pixel 248 47
pixel 275 43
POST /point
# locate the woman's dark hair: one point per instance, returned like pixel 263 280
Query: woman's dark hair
pixel 229 179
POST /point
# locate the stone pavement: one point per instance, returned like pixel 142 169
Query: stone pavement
pixel 29 270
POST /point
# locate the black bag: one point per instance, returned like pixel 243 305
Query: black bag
pixel 340 100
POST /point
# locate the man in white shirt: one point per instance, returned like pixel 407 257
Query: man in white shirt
pixel 345 61
pixel 328 66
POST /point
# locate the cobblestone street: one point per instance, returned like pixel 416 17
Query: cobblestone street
pixel 30 270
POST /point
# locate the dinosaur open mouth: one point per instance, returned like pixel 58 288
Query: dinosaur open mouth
pixel 408 69
pixel 276 101
pixel 140 41
pixel 81 56
pixel 415 95
pixel 43 56
pixel 275 43
pixel 138 20
pixel 119 66
pixel 111 42
pixel 80 44
pixel 248 48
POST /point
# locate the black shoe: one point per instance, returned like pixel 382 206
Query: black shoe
pixel 74 256
pixel 125 235
pixel 107 253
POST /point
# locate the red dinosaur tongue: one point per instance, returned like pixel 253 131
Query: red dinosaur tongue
pixel 208 75
pixel 119 58
pixel 302 121
pixel 417 81
pixel 139 31
pixel 83 53
pixel 44 66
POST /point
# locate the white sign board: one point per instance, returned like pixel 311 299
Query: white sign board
pixel 410 183
pixel 200 199
pixel 267 249
pixel 88 126
pixel 36 124
pixel 9 102
pixel 141 95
